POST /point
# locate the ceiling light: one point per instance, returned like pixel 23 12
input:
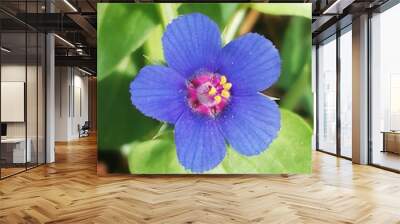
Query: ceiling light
pixel 84 71
pixel 65 41
pixel 337 7
pixel 70 5
pixel 5 50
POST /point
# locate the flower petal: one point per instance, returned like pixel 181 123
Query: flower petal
pixel 199 143
pixel 191 42
pixel 159 92
pixel 251 63
pixel 250 123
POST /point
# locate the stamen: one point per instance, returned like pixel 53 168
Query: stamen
pixel 212 91
pixel 227 86
pixel 217 99
pixel 223 80
pixel 225 93
pixel 208 93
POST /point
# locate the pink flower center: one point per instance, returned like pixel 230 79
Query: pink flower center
pixel 208 93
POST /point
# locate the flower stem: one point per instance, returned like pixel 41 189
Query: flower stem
pixel 168 12
pixel 233 26
pixel 162 130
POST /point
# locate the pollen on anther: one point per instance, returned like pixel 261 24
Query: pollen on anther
pixel 212 91
pixel 225 93
pixel 227 86
pixel 217 99
pixel 223 80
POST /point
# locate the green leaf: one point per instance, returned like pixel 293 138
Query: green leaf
pixel 123 28
pixel 157 156
pixel 153 49
pixel 101 8
pixel 295 51
pixel 296 64
pixel 284 9
pixel 297 90
pixel 289 153
pixel 218 12
pixel 119 121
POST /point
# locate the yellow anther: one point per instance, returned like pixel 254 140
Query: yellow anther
pixel 227 86
pixel 225 93
pixel 217 99
pixel 223 80
pixel 212 91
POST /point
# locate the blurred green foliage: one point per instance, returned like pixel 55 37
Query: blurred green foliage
pixel 292 9
pixel 219 13
pixel 129 37
pixel 123 28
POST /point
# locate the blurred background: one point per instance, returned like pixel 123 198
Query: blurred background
pixel 129 37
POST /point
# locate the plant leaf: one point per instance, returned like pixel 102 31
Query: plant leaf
pixel 300 88
pixel 218 12
pixel 153 48
pixel 156 156
pixel 284 9
pixel 289 153
pixel 295 51
pixel 125 29
pixel 119 121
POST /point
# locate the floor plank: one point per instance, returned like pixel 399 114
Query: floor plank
pixel 69 191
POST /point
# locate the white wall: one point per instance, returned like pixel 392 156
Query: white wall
pixel 62 81
pixel 79 110
pixel 71 102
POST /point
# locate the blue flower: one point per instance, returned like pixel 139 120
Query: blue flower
pixel 211 93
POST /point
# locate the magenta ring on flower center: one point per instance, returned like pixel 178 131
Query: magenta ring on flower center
pixel 208 93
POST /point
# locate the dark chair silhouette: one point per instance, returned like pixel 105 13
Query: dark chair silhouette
pixel 84 130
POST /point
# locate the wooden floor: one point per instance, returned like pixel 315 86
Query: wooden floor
pixel 387 159
pixel 5 172
pixel 69 191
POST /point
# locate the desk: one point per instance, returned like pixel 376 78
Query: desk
pixel 391 141
pixel 16 147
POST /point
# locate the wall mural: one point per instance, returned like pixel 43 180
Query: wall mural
pixel 204 88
